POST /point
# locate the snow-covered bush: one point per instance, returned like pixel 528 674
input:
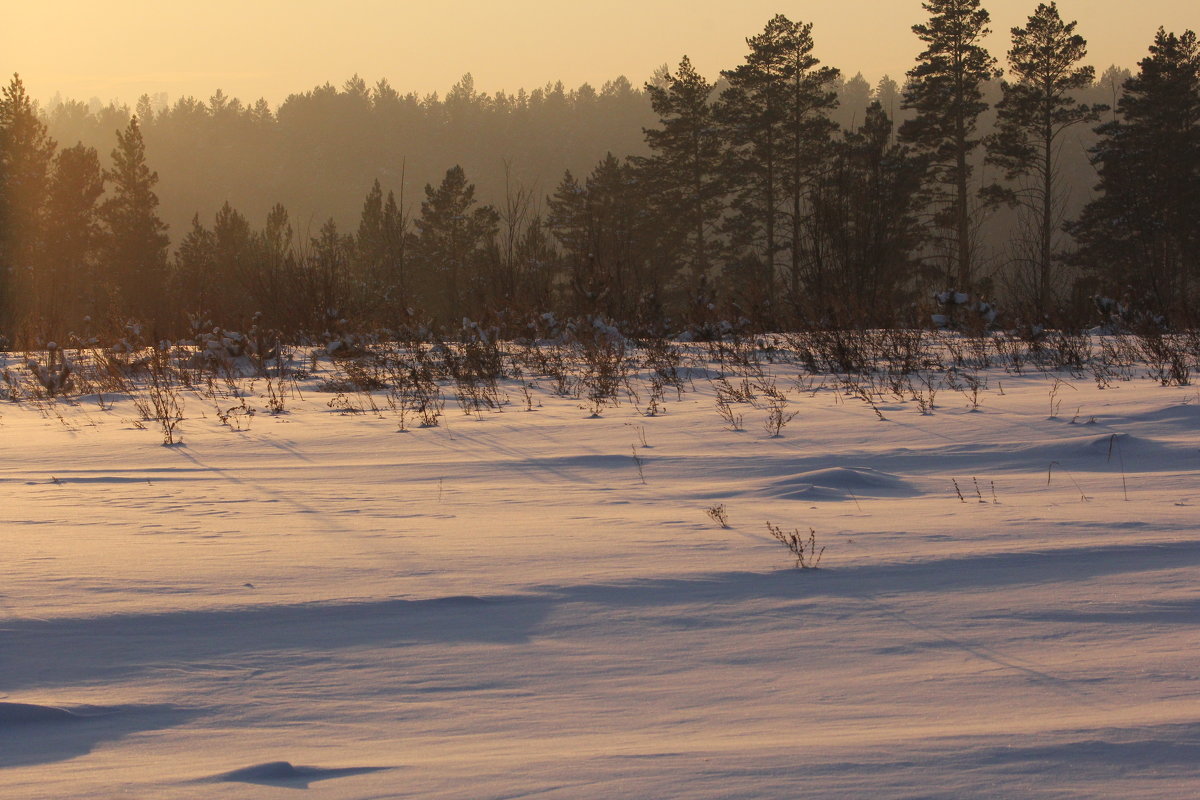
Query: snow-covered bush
pixel 958 311
pixel 55 375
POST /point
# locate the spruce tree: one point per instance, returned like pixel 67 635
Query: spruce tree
pixel 945 92
pixel 569 223
pixel 380 247
pixel 887 94
pixel 854 96
pixel 136 246
pixel 1142 234
pixel 1036 112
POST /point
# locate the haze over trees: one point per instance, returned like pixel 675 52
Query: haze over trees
pixel 782 195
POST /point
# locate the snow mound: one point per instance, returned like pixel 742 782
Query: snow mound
pixel 840 483
pixel 1094 452
pixel 1109 445
pixel 285 772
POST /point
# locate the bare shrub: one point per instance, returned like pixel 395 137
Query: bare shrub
pixel 1167 357
pixel 162 398
pixel 413 388
pixel 732 419
pixel 777 414
pixel 605 369
pixel 804 550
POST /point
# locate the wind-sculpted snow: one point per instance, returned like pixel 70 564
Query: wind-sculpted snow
pixel 13 714
pixel 840 483
pixel 36 734
pixel 538 603
pixel 283 773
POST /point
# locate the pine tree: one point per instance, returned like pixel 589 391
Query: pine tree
pixel 569 223
pixel 452 232
pixel 26 160
pixel 278 270
pixel 69 281
pixel 1037 110
pixel 194 274
pixel 136 251
pixel 868 225
pixel 395 250
pixel 945 90
pixel 369 243
pixel 776 116
pixel 611 249
pixel 1142 235
pixel 235 260
pixel 684 169
pixel 326 279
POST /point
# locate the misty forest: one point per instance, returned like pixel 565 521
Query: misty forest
pixel 1025 191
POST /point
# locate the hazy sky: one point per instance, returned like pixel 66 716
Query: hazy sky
pixel 120 49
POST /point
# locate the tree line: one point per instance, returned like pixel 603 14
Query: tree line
pixel 781 195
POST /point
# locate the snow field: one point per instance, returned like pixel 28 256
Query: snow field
pixel 500 607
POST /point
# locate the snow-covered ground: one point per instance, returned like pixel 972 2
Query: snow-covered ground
pixel 537 603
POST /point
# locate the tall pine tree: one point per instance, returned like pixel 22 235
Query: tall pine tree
pixel 945 92
pixel 776 115
pixel 1036 112
pixel 683 172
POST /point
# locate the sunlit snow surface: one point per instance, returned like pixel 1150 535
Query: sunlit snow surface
pixel 500 607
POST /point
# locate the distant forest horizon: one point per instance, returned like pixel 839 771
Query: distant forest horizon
pixel 405 140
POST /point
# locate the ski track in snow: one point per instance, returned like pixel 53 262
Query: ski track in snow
pixel 514 606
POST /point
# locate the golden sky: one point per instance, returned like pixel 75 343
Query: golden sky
pixel 120 49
